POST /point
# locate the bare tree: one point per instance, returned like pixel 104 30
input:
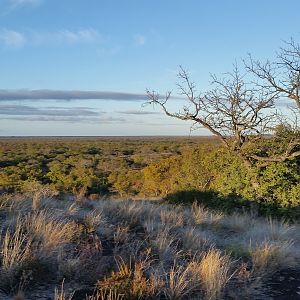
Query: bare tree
pixel 281 77
pixel 238 113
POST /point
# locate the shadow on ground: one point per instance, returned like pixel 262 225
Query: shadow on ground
pixel 233 203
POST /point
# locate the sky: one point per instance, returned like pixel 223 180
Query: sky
pixel 81 67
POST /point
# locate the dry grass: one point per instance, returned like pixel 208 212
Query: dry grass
pixel 237 222
pixel 268 257
pixel 164 244
pixel 16 253
pixel 5 201
pixel 198 213
pixel 106 295
pixel 213 272
pixel 15 248
pixel 171 218
pixel 194 240
pixel 178 283
pixel 201 215
pixel 37 191
pixel 129 280
pixel 93 220
pixel 52 233
pixel 121 234
pixel 130 212
pixel 59 294
pixel 161 251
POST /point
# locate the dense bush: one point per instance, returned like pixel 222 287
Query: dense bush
pixel 218 178
pixel 82 166
pixel 179 169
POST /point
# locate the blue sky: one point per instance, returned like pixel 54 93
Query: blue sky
pixel 117 49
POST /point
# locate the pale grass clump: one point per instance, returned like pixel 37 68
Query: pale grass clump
pixel 178 283
pixel 15 254
pixel 198 213
pixel 212 272
pixel 268 257
pixel 194 240
pixel 59 205
pixel 51 232
pixel 69 268
pixel 148 210
pixel 18 204
pixel 15 248
pixel 6 202
pixel 130 212
pixel 171 218
pixel 214 219
pixel 165 245
pixel 108 207
pixel 201 215
pixel 129 280
pixel 93 220
pixel 238 222
pixel 151 219
pixel 270 230
pixel 280 230
pixel 72 209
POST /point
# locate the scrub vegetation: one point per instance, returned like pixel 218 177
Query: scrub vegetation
pixel 203 234
pixel 163 218
pixel 128 249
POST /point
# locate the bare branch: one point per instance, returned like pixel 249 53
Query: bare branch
pixel 281 77
pixel 238 113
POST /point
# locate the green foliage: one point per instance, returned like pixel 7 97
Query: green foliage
pixel 77 176
pixel 80 165
pixel 126 182
pixel 161 178
pixel 219 179
pixel 203 169
pixel 231 175
pixel 181 170
pixel 237 251
pixel 280 184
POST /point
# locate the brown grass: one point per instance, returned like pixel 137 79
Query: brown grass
pixel 213 272
pixel 52 233
pixel 15 248
pixel 161 251
pixel 59 294
pixel 268 257
pixel 178 283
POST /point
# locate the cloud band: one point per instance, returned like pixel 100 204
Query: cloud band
pixel 68 95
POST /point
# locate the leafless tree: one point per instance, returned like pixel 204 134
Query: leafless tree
pixel 237 112
pixel 281 77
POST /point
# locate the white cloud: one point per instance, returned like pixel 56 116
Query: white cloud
pixel 20 3
pixel 140 39
pixel 66 36
pixel 17 39
pixel 11 38
pixel 84 35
